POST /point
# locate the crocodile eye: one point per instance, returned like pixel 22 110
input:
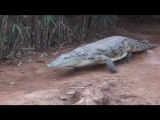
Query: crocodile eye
pixel 64 56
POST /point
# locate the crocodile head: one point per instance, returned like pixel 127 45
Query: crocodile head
pixel 66 60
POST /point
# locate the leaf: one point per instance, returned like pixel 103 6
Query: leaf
pixel 16 28
pixel 49 20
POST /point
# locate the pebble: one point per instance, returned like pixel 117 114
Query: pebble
pixel 86 84
pixel 62 97
pixel 105 78
pixel 12 83
pixel 77 87
pixel 71 92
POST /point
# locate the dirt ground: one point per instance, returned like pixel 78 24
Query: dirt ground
pixel 136 83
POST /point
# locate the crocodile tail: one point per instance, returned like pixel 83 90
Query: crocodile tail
pixel 154 46
pixel 141 46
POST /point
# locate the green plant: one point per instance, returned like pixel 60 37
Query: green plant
pixel 20 34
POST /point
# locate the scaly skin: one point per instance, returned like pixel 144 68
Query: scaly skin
pixel 106 51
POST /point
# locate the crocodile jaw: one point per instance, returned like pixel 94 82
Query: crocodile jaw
pixel 65 60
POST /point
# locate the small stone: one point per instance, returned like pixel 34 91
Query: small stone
pixel 70 92
pixel 76 87
pixel 62 97
pixel 73 87
pixel 12 83
pixel 80 87
pixel 105 78
pixel 87 84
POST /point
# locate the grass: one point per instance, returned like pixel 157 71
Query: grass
pixel 21 34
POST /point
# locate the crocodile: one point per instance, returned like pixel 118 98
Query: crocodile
pixel 104 51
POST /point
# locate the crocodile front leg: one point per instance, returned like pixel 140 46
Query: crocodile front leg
pixel 111 66
pixel 109 63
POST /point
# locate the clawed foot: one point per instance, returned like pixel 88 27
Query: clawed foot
pixel 112 68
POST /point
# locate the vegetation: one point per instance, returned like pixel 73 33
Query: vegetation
pixel 21 35
pixel 140 19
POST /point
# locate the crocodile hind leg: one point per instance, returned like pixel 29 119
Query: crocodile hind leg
pixel 127 59
pixel 109 63
pixel 111 66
